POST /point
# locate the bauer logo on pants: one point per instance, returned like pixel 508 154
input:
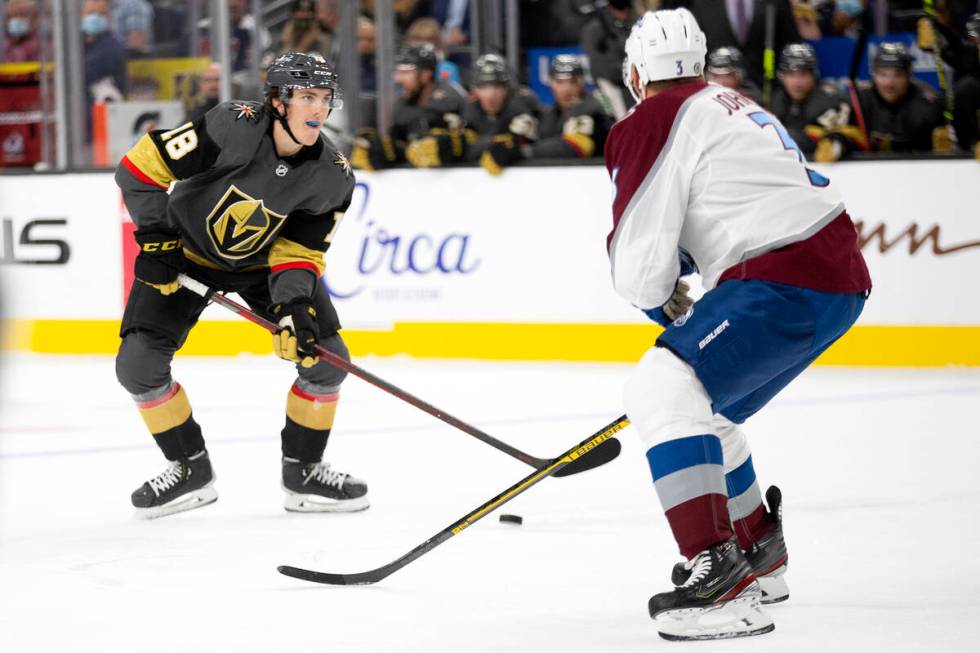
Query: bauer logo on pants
pixel 241 225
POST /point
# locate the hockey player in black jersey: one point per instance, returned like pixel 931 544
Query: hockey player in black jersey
pixel 259 193
pixel 427 129
pixel 726 67
pixel 503 120
pixel 576 126
pixel 817 116
pixel 901 114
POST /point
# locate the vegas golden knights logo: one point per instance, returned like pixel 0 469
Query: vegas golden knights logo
pixel 241 225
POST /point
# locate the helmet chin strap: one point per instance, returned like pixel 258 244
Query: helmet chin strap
pixel 282 121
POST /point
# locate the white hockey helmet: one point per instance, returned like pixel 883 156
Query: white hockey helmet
pixel 666 44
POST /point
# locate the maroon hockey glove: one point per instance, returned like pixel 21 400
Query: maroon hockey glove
pixel 160 260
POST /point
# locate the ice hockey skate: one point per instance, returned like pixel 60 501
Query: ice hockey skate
pixel 185 484
pixel 720 599
pixel 768 556
pixel 314 487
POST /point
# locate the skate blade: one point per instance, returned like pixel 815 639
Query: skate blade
pixel 741 617
pixel 315 503
pixel 190 501
pixel 774 587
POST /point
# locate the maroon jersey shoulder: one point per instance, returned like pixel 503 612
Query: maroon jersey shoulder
pixel 637 140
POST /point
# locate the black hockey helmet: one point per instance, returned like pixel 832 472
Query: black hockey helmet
pixel 490 69
pixel 297 70
pixel 421 56
pixel 565 66
pixel 973 26
pixel 798 56
pixel 725 61
pixel 893 54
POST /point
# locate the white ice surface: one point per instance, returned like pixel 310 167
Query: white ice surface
pixel 878 469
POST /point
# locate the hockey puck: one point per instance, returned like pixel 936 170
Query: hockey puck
pixel 511 519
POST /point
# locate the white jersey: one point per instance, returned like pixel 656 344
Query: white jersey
pixel 704 171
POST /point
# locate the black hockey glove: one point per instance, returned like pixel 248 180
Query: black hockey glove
pixel 160 259
pixel 372 151
pixel 300 332
pixel 502 152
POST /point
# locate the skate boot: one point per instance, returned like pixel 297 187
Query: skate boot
pixel 314 487
pixel 185 484
pixel 768 556
pixel 719 599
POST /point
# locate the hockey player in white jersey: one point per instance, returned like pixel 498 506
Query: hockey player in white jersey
pixel 707 181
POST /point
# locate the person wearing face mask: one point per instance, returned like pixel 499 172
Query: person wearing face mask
pixel 132 22
pixel 901 115
pixel 21 42
pixel 303 33
pixel 105 55
pixel 603 39
pixel 257 194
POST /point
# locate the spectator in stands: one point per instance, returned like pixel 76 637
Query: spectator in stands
pixel 406 11
pixel 209 85
pixel 846 17
pixel 554 22
pixel 901 115
pixel 427 30
pixel 604 41
pixel 502 121
pixel 742 23
pixel 366 48
pixel 303 33
pixel 454 16
pixel 725 66
pixel 427 127
pixel 807 14
pixel 21 43
pixel 105 54
pixel 243 27
pixel 577 125
pixel 328 16
pixel 816 115
pixel 132 22
pixel 817 18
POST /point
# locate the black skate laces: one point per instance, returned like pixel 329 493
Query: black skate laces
pixel 321 473
pixel 168 478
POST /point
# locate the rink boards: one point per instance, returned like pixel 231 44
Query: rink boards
pixel 457 264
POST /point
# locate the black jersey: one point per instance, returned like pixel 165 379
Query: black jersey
pixel 578 131
pixel 442 110
pixel 906 126
pixel 519 117
pixel 237 204
pixel 825 108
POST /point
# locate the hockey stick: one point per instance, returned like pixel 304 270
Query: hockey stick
pixel 929 7
pixel 856 56
pixel 769 55
pixel 600 457
pixel 606 434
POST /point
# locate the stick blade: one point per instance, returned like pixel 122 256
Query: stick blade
pixel 326 578
pixel 601 455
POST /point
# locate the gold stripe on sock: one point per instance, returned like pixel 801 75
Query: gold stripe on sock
pixel 168 412
pixel 310 410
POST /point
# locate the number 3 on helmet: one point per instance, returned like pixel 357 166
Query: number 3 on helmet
pixel 666 44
